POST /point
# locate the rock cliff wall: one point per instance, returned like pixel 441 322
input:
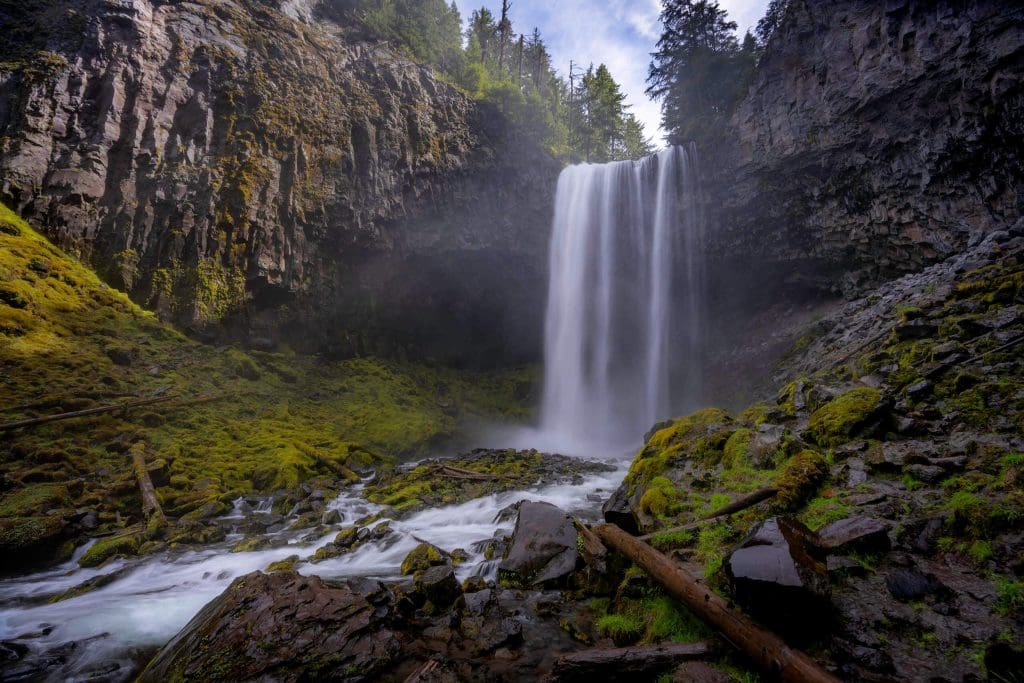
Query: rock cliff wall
pixel 876 138
pixel 223 158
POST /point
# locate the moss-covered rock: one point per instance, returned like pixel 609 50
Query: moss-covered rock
pixel 106 548
pixel 424 556
pixel 799 479
pixel 839 419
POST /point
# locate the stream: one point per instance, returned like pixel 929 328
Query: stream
pixel 110 632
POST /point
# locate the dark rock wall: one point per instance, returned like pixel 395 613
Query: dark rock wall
pixel 256 168
pixel 876 138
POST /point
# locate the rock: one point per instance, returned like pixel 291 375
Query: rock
pixel 618 510
pixel 920 390
pixel 347 537
pixel 505 632
pixel 438 585
pixel 424 556
pixel 699 672
pixel 859 534
pixel 543 549
pixel 840 566
pixel 474 584
pixel 333 164
pixel 927 473
pixel 919 535
pixel 309 625
pixel 778 573
pixel 915 329
pixel 906 584
pixel 331 517
pixel 1004 661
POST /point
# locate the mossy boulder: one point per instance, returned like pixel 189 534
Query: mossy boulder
pixel 701 435
pixel 661 498
pixel 799 479
pixel 839 420
pixel 25 541
pixel 424 556
pixel 106 548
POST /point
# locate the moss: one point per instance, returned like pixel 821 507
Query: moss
pixel 701 435
pixel 106 548
pixel 624 629
pixel 673 539
pixel 712 543
pixel 21 534
pixel 424 556
pixel 32 500
pixel 661 498
pixel 823 511
pixel 837 421
pixel 736 448
pixel 1010 594
pixel 799 479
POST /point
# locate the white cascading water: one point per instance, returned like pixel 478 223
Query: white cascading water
pixel 624 319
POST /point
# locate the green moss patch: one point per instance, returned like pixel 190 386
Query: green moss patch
pixel 838 420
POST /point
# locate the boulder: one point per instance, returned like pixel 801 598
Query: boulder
pixel 281 627
pixel 422 557
pixel 618 510
pixel 856 534
pixel 438 585
pixel 906 584
pixel 543 549
pixel 778 574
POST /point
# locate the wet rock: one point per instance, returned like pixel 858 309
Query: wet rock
pixel 505 632
pixel 311 626
pixel 543 549
pixel 474 584
pixel 331 517
pixel 908 584
pixel 856 534
pixel 346 538
pixel 438 585
pixel 840 566
pixel 778 573
pixel 424 556
pixel 618 510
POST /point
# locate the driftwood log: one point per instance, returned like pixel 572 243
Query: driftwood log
pixel 625 663
pixel 765 648
pixel 32 422
pixel 732 508
pixel 150 504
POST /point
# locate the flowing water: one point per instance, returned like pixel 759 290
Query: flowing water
pixel 624 309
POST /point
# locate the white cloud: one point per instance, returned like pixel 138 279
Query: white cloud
pixel 619 33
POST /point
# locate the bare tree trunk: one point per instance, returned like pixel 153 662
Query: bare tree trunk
pixel 732 508
pixel 150 504
pixel 762 646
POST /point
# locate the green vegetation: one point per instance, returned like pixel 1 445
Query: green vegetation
pixel 1011 595
pixel 820 512
pixel 238 421
pixel 652 619
pixel 661 498
pixel 583 119
pixel 799 479
pixel 106 548
pixel 836 421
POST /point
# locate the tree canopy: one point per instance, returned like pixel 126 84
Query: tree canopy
pixel 582 119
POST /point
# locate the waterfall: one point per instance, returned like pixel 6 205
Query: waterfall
pixel 623 333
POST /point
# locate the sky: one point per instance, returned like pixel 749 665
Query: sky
pixel 619 33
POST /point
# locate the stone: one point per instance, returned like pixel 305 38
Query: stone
pixel 618 510
pixel 331 517
pixel 856 534
pixel 438 585
pixel 544 547
pixel 424 556
pixel 313 627
pixel 840 566
pixel 927 473
pixel 919 535
pixel 907 584
pixel 778 573
pixel 347 537
pixel 920 390
pixel 915 329
pixel 699 672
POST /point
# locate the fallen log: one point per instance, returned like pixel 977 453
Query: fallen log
pixel 150 505
pixel 625 663
pixel 765 648
pixel 732 508
pixel 32 422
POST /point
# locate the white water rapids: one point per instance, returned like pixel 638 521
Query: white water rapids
pixel 622 349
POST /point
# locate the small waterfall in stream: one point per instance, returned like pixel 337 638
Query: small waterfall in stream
pixel 623 334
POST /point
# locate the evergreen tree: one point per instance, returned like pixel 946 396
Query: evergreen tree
pixel 699 69
pixel 768 24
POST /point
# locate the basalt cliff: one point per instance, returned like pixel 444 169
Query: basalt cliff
pixel 263 171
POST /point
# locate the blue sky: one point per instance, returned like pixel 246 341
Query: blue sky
pixel 619 33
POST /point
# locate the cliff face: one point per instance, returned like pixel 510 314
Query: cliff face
pixel 877 137
pixel 222 158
